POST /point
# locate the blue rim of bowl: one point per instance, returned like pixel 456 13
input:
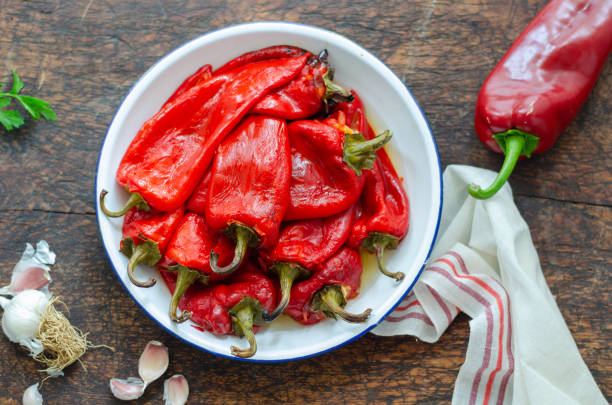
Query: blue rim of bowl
pixel 251 360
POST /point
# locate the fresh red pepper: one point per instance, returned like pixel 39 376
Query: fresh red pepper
pixel 326 164
pixel 249 186
pixel 234 307
pixel 326 292
pixel 302 246
pixel 145 237
pixel 188 256
pixel 384 211
pixel 172 150
pixel 199 76
pixel 537 88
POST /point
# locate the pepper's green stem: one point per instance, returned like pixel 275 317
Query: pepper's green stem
pixel 244 315
pixel 334 91
pixel 287 273
pixel 331 301
pixel 360 153
pixel 377 242
pixel 185 278
pixel 514 144
pixel 139 254
pixel 135 200
pixel 245 237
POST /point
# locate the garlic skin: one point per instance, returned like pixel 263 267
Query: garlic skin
pixel 22 317
pixel 153 361
pixel 32 270
pixel 127 390
pixel 31 396
pixel 176 390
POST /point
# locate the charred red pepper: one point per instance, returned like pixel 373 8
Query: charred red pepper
pixel 326 292
pixel 302 246
pixel 233 307
pixel 145 237
pixel 537 88
pixel 172 150
pixel 249 186
pixel 326 164
pixel 383 211
pixel 188 256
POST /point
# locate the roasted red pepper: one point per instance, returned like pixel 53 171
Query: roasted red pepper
pixel 537 88
pixel 249 186
pixel 259 55
pixel 383 211
pixel 199 199
pixel 302 246
pixel 188 255
pixel 145 237
pixel 200 76
pixel 326 164
pixel 234 307
pixel 172 150
pixel 326 292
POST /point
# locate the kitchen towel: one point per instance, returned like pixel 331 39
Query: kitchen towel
pixel 484 264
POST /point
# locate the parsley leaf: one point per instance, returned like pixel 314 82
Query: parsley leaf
pixel 36 107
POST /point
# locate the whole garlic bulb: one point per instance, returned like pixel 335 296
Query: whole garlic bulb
pixel 22 317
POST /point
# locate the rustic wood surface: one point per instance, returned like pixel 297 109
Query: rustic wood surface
pixel 82 56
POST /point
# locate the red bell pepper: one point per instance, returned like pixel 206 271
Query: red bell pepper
pixel 172 150
pixel 326 167
pixel 384 212
pixel 145 237
pixel 326 292
pixel 537 88
pixel 302 246
pixel 233 307
pixel 249 186
pixel 188 256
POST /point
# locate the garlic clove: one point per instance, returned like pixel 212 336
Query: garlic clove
pixel 153 361
pixel 31 396
pixel 176 390
pixel 33 278
pixel 127 390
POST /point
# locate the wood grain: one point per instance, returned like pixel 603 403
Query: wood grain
pixel 83 57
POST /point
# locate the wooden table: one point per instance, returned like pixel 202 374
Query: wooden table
pixel 83 56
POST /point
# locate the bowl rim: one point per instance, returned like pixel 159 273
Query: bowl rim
pixel 238 27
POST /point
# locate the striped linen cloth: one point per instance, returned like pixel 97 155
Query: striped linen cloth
pixel 484 264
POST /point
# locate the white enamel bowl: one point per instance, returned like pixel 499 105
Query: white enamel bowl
pixel 388 104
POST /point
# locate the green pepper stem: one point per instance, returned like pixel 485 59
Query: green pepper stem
pixel 514 148
pixel 378 242
pixel 360 153
pixel 244 237
pixel 185 278
pixel 135 200
pixel 380 250
pixel 243 318
pixel 287 274
pixel 333 91
pixel 139 254
pixel 334 300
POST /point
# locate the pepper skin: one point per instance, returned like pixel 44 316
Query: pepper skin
pixel 145 237
pixel 383 210
pixel 326 169
pixel 188 255
pixel 325 293
pixel 233 307
pixel 303 245
pixel 172 150
pixel 264 54
pixel 538 87
pixel 249 186
pixel 199 198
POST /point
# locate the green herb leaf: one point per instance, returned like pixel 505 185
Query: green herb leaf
pixel 36 107
pixel 10 119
